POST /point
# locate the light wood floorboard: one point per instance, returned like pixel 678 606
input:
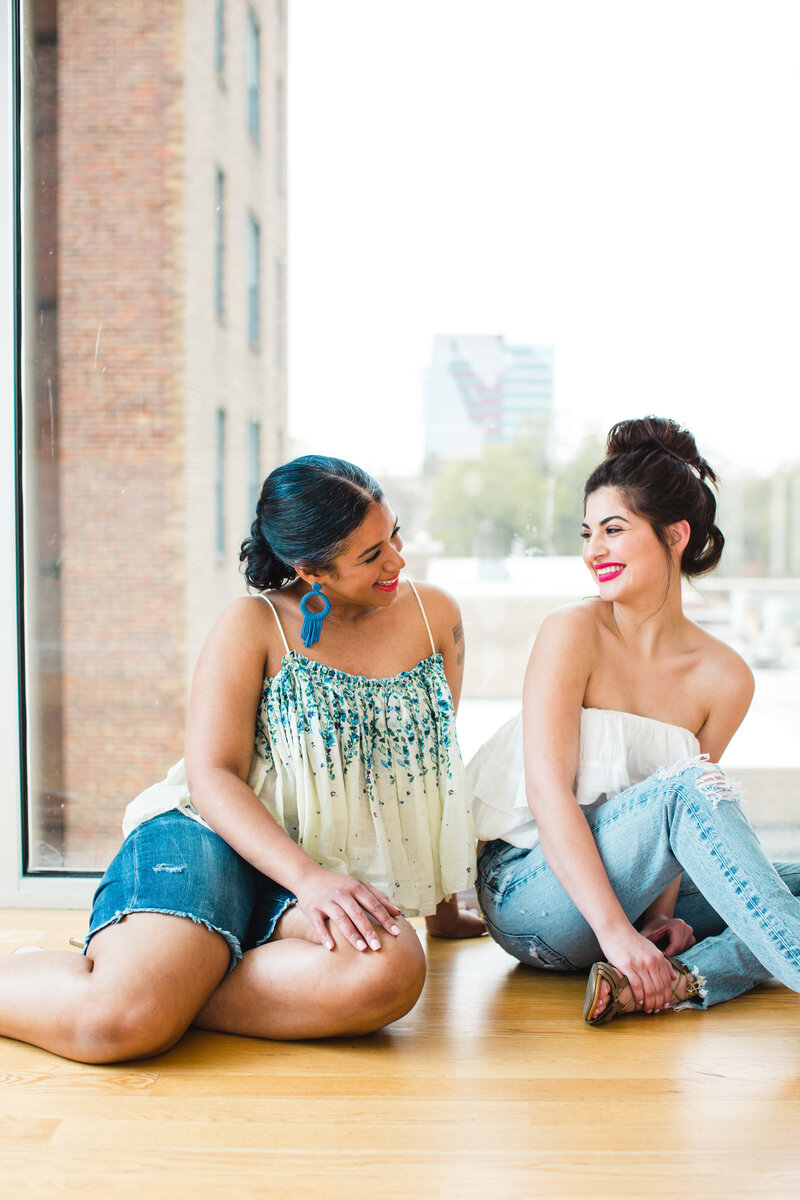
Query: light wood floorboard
pixel 491 1087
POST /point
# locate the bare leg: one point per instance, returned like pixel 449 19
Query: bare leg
pixel 294 988
pixel 132 996
pixel 146 979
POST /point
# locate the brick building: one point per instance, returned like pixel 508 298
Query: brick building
pixel 155 382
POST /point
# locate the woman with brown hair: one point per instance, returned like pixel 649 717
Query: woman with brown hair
pixel 611 836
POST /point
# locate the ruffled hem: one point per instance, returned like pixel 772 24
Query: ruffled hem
pixel 364 774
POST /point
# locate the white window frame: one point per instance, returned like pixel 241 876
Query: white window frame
pixel 16 889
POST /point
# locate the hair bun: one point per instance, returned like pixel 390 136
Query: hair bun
pixel 657 466
pixel 652 434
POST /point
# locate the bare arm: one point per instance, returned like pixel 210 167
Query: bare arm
pixel 450 643
pixel 731 685
pixel 659 924
pixel 450 920
pixel 219 746
pixel 558 672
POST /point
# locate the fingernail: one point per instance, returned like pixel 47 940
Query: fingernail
pixel 361 945
pixel 375 944
pixel 393 929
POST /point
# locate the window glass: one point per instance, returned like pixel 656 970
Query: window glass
pixel 254 280
pixel 254 476
pixel 253 74
pixel 137 402
pixel 280 135
pixel 220 483
pixel 548 218
pixel 219 244
pixel 219 35
pixel 489 266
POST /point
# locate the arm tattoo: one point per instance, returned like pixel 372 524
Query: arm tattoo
pixel 458 632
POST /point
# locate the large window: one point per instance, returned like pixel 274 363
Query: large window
pixel 539 219
pixel 511 226
pixel 134 405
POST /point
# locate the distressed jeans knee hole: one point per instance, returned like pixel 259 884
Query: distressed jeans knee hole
pixel 710 781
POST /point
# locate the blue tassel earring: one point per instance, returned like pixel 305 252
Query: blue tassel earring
pixel 312 621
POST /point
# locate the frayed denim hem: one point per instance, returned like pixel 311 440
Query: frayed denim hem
pixel 233 942
pixel 289 902
pixel 698 1000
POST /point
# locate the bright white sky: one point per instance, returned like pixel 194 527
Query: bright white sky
pixel 617 177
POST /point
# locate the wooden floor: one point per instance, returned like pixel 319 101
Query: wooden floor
pixel 493 1088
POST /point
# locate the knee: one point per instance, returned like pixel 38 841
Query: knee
pixel 124 1028
pixel 707 778
pixel 390 981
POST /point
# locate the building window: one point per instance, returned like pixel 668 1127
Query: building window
pixel 254 465
pixel 219 36
pixel 280 313
pixel 219 245
pixel 253 74
pixel 253 281
pixel 280 136
pixel 220 483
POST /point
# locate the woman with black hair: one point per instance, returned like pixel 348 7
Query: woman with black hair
pixel 610 834
pixel 322 795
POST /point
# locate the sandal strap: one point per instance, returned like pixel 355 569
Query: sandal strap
pixel 616 982
pixel 693 984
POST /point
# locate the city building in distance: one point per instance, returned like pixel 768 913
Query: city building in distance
pixel 479 390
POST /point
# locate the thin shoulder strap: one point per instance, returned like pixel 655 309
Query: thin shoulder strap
pixel 424 616
pixel 267 600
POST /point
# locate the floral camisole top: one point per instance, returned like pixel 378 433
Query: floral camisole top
pixel 365 774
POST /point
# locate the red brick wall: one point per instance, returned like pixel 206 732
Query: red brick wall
pixel 120 300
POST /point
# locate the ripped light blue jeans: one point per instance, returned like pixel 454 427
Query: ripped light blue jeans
pixel 744 910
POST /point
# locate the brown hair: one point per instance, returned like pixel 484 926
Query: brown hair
pixel 657 465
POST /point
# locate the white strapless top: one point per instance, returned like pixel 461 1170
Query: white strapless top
pixel 617 750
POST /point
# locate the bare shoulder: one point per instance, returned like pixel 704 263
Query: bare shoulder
pixel 566 650
pixel 441 608
pixel 726 685
pixel 724 671
pixel 245 630
pixel 245 613
pixel 581 623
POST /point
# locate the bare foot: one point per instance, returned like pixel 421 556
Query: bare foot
pixel 464 924
pixel 626 995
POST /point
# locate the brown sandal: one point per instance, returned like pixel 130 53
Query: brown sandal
pixel 617 981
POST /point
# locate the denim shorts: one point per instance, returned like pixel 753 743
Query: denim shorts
pixel 172 864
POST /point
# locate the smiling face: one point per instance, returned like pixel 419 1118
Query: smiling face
pixel 366 571
pixel 622 550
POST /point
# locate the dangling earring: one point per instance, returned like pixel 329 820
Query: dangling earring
pixel 312 621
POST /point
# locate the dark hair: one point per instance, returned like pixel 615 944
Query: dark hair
pixel 656 464
pixel 307 510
